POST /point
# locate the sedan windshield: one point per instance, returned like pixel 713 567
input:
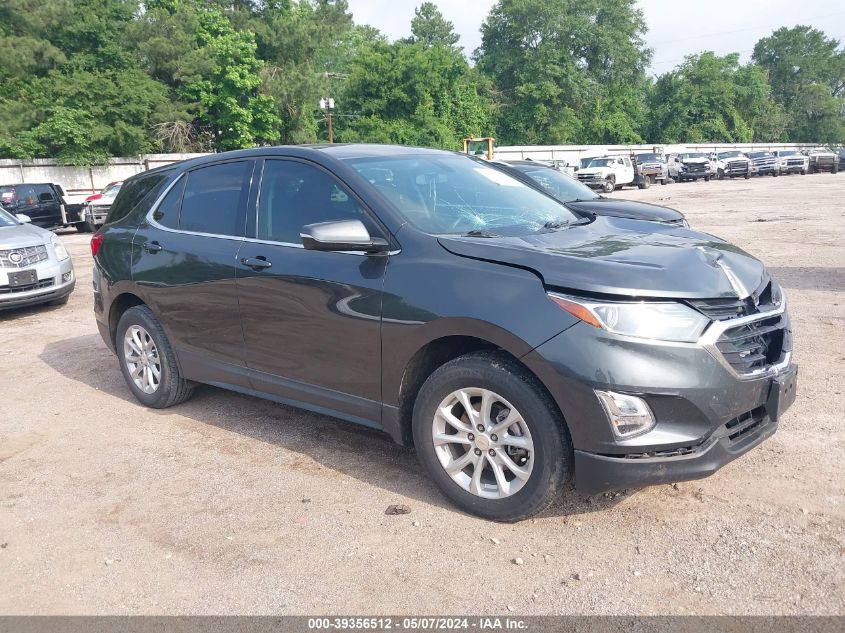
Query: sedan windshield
pixel 455 194
pixel 7 219
pixel 559 185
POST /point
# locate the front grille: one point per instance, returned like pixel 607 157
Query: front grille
pixel 589 177
pixel 723 309
pixel 672 452
pixel 763 164
pixel 696 167
pixel 29 256
pixel 746 424
pixel 795 162
pixel 823 160
pixel 8 290
pixel 754 345
pixel 738 165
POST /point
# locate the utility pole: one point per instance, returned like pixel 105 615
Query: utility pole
pixel 327 104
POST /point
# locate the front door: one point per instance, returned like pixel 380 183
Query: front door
pixel 311 320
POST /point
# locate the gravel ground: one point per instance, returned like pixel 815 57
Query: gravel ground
pixel 228 504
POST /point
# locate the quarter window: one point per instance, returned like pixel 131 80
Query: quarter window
pixel 213 198
pixel 167 213
pixel 294 194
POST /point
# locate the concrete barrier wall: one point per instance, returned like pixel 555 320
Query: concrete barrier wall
pixel 79 181
pixel 82 180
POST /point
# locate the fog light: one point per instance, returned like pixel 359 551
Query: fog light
pixel 66 277
pixel 628 415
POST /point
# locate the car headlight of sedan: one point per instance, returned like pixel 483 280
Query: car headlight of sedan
pixel 59 248
pixel 662 321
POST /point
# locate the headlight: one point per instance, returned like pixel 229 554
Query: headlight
pixel 664 321
pixel 61 251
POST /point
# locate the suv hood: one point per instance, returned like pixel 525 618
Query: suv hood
pixel 626 209
pixel 630 258
pixel 22 235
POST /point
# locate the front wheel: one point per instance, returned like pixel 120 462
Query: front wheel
pixel 720 174
pixel 707 179
pixel 609 185
pixel 747 175
pixel 491 438
pixel 84 227
pixel 147 360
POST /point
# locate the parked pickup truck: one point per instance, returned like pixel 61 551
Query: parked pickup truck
pixel 652 167
pixel 611 172
pixel 46 204
pixel 732 164
pixel 792 161
pixel 823 159
pixel 690 166
pixel 96 207
pixel 763 163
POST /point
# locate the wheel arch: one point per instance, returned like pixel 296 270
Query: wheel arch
pixel 434 354
pixel 118 307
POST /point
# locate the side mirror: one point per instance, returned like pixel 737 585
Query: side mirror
pixel 341 235
pixel 23 218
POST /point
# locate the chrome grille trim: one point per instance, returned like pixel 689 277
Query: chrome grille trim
pixel 30 255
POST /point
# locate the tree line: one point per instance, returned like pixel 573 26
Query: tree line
pixel 82 80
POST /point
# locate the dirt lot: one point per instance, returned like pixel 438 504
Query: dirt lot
pixel 228 504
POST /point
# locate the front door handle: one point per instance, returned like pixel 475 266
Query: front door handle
pixel 153 247
pixel 256 263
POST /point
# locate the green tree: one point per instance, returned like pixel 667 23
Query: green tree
pixel 429 27
pixel 806 70
pixel 566 71
pixel 413 94
pixel 710 98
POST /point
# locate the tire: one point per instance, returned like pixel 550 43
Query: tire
pixel 747 175
pixel 803 172
pixel 775 174
pixel 664 181
pixel 834 169
pixel 707 179
pixel 538 425
pixel 171 388
pixel 720 174
pixel 84 227
pixel 609 185
pixel 644 183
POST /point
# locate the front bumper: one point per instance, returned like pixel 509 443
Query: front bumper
pixel 55 280
pixel 706 414
pixel 96 215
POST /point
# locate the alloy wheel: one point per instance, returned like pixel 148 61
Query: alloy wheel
pixel 142 359
pixel 483 443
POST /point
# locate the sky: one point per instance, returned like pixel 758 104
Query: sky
pixel 676 28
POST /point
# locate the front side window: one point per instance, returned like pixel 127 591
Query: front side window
pixel 167 213
pixel 456 194
pixel 294 194
pixel 213 198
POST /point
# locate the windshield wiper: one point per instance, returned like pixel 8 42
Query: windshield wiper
pixel 560 224
pixel 480 233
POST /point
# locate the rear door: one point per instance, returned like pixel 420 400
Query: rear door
pixel 184 258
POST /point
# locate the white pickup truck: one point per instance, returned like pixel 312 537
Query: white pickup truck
pixel 610 172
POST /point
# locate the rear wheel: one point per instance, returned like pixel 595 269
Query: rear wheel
pixel 490 437
pixel 147 360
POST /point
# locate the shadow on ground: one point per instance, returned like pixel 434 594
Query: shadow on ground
pixel 367 455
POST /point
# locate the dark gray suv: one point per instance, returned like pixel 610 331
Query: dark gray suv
pixel 514 343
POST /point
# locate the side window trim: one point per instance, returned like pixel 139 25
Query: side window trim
pixel 252 235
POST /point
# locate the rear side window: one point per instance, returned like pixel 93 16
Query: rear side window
pixel 167 213
pixel 45 193
pixel 213 198
pixel 134 192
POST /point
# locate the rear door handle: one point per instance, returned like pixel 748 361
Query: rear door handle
pixel 256 263
pixel 153 247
